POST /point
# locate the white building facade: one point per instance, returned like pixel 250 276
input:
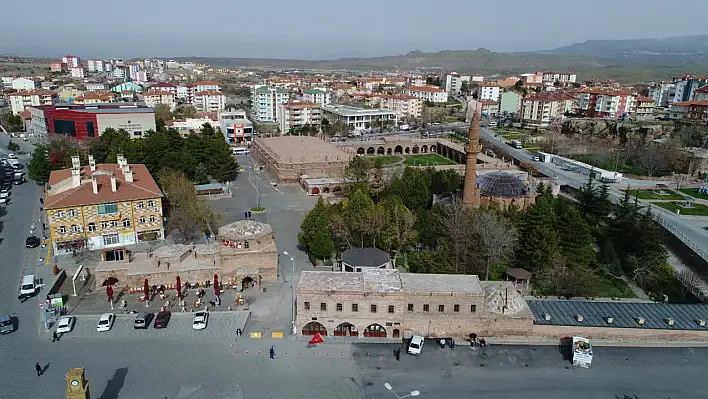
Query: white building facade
pixel 430 93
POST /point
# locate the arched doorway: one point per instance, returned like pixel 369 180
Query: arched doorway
pixel 398 150
pixel 325 190
pixel 388 151
pixel 380 151
pixel 396 333
pixel 432 149
pixel 370 151
pixel 375 331
pixel 313 328
pixel 337 189
pixel 246 282
pixel 360 151
pixel 424 149
pixel 415 149
pixel 315 190
pixel 408 150
pixel 443 152
pixel 346 330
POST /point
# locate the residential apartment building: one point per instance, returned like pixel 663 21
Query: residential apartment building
pixel 604 103
pixel 294 115
pixel 209 101
pixel 94 65
pixel 695 111
pixel 429 93
pixel 489 91
pixel 194 125
pixel 164 86
pixel 235 127
pixel 510 102
pixel 686 86
pixel 95 86
pixel 663 93
pixel 644 106
pixel 701 94
pixel 453 82
pixel 489 107
pixel 103 206
pixel 358 118
pixel 201 86
pixel 265 101
pixel 318 96
pixel 119 72
pixel 405 107
pixel 71 61
pixel 543 108
pixel 58 66
pixel 20 100
pixel 563 78
pixel 154 97
pixel 25 84
pixel 78 72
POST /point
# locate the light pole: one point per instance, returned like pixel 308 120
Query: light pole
pixel 390 389
pixel 292 285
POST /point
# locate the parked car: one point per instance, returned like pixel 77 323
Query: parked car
pixel 142 320
pixel 4 193
pixel 65 324
pixel 105 323
pixel 162 319
pixel 200 320
pixel 416 345
pixel 7 324
pixel 32 242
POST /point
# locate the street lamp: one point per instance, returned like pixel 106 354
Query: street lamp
pixel 292 284
pixel 390 388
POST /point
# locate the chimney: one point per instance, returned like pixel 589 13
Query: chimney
pixel 95 185
pixel 114 187
pixel 128 175
pixel 75 162
pixel 121 160
pixel 75 177
pixel 92 164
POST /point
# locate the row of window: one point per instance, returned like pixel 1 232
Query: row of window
pixel 392 309
pixel 105 209
pixel 106 224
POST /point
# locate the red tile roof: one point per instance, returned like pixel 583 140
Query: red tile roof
pixel 702 89
pixel 643 99
pixel 205 83
pixel 33 92
pixel 158 93
pixel 692 102
pixel 429 89
pixel 209 93
pixel 304 104
pixel 142 187
pixel 400 97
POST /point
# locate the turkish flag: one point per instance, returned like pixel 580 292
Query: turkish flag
pixel 317 339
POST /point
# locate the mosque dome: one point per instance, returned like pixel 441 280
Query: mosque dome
pixel 501 185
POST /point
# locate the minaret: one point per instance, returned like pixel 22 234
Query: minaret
pixel 470 196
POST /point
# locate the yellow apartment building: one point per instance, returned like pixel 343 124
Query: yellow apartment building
pixel 103 206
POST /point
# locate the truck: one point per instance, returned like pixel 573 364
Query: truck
pixel 582 352
pixel 515 143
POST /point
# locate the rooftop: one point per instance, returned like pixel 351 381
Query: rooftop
pixel 430 89
pixel 303 149
pixel 371 257
pixel 244 229
pixel 347 110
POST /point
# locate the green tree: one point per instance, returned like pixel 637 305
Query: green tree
pixel 578 243
pixel 315 235
pixel 413 188
pixel 539 244
pixel 13 123
pixel 358 208
pixel 39 167
pixel 201 175
pixel 163 112
pixel 12 146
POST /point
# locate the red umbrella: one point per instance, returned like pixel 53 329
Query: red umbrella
pixel 179 288
pixel 317 339
pixel 109 292
pixel 216 285
pixel 146 289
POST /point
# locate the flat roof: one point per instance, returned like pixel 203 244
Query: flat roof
pixel 116 110
pixel 625 314
pixel 347 110
pixel 303 149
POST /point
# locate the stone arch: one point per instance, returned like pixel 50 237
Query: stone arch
pixel 415 149
pixel 457 157
pixel 408 150
pixel 370 151
pixel 375 331
pixel 380 151
pixel 396 333
pixel 360 151
pixel 315 190
pixel 313 328
pixel 337 189
pixel 346 330
pixel 433 149
pixel 398 150
pixel 325 189
pixel 389 151
pixel 424 149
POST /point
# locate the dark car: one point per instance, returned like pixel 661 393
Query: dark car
pixel 32 242
pixel 142 320
pixel 162 319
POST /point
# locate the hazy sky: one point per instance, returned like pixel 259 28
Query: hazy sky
pixel 326 29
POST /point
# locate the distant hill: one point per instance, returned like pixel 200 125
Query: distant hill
pixel 691 47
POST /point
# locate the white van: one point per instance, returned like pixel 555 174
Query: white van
pixel 492 124
pixel 241 151
pixel 29 286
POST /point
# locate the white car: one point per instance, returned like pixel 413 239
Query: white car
pixel 105 322
pixel 65 324
pixel 200 320
pixel 11 156
pixel 416 345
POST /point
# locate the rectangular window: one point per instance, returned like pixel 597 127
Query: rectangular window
pixel 339 307
pixel 473 308
pixel 111 239
pixel 307 305
pixel 90 129
pixel 373 308
pixel 391 309
pixel 426 308
pixel 323 307
pixel 139 205
pixel 104 225
pixel 456 308
pixel 410 307
pixel 441 308
pixel 355 307
pixel 107 208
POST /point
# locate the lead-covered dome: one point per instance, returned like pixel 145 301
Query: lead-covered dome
pixel 501 184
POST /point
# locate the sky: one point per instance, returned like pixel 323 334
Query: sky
pixel 329 29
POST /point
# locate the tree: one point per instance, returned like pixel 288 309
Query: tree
pixel 464 88
pixel 400 227
pixel 39 167
pixel 13 123
pixel 690 282
pixel 315 236
pixel 184 225
pixel 495 238
pixel 457 230
pixel 12 146
pixel 163 112
pixel 186 111
pixel 180 192
pixel 201 175
pixel 680 180
pixel 358 209
pixel 539 244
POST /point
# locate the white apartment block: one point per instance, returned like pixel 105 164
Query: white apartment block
pixel 24 84
pixel 357 118
pixel 132 70
pixel 204 85
pixel 168 87
pixel 119 73
pixel 297 114
pixel 318 96
pixel 235 127
pixel 94 65
pixel 141 76
pixel 95 87
pixel 21 100
pixel 154 97
pixel 562 77
pixel 405 107
pixel 488 91
pixel 265 101
pixel 430 93
pixel 453 82
pixel 540 110
pixel 71 61
pixel 182 92
pixel 78 72
pixel 209 101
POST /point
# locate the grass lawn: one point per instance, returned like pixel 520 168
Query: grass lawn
pixel 693 192
pixel 427 160
pixel 512 135
pixel 532 147
pixel 386 159
pixel 695 210
pixel 652 195
pixel 613 288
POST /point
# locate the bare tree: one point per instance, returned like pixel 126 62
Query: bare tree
pixel 690 282
pixel 652 158
pixel 377 221
pixel 184 225
pixel 495 236
pixel 680 180
pixel 456 230
pixel 401 224
pixel 339 229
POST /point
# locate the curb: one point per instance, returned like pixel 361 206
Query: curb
pixel 129 315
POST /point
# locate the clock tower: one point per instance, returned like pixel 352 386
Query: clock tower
pixel 76 385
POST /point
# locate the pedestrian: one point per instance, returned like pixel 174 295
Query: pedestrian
pixel 55 336
pixel 397 354
pixel 272 351
pixel 245 214
pixel 238 332
pixel 39 369
pixel 250 215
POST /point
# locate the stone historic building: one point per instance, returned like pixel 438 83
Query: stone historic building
pixel 244 252
pixel 387 303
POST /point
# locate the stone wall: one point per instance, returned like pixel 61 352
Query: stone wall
pixel 251 264
pixel 617 334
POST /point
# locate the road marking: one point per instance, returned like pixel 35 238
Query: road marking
pixel 255 335
pixel 276 335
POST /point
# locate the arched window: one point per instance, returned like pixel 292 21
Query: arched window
pixel 126 222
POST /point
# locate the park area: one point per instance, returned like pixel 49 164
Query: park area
pixel 656 195
pixel 694 192
pixel 427 160
pixel 685 208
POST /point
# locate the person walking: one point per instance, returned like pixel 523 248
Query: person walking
pixel 272 351
pixel 55 336
pixel 245 214
pixel 39 369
